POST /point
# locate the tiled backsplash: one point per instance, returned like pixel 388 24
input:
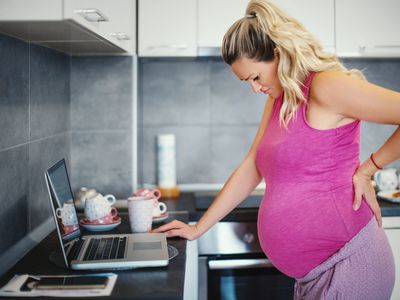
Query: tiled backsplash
pixel 212 114
pixel 215 116
pixel 34 133
pixel 41 121
pixel 101 124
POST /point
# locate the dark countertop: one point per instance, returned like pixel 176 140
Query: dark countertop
pixel 389 209
pixel 186 202
pixel 145 283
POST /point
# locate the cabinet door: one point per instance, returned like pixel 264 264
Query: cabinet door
pixel 392 230
pixel 368 28
pixel 167 28
pixel 112 20
pixel 316 15
pixel 86 13
pixel 394 239
pixel 38 10
pixel 215 18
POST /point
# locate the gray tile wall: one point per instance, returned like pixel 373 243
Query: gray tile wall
pixel 42 122
pixel 34 133
pixel 386 73
pixel 215 116
pixel 101 122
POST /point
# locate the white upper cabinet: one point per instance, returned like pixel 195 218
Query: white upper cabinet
pixel 368 28
pixel 37 10
pixel 167 28
pixel 215 18
pixel 318 16
pixel 72 26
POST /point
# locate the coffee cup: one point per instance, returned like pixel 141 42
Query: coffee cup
pixel 67 214
pixel 159 208
pixel 107 219
pixel 98 206
pixel 140 213
pixel 386 179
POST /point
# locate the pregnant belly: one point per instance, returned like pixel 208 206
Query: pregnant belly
pixel 299 233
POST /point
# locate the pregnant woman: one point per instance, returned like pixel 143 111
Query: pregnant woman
pixel 319 221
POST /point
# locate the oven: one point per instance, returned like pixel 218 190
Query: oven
pixel 231 263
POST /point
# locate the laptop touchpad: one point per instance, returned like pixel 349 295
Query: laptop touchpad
pixel 147 245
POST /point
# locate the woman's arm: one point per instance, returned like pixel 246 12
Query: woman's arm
pixel 239 185
pixel 358 99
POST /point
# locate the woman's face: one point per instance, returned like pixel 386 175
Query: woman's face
pixel 262 76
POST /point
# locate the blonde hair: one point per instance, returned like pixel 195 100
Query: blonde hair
pixel 266 27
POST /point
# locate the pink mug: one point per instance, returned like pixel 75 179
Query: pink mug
pixel 154 193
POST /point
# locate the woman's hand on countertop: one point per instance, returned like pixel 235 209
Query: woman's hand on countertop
pixel 178 228
pixel 363 188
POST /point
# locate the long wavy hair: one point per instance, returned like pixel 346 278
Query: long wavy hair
pixel 266 27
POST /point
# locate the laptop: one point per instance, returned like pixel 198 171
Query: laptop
pixel 107 251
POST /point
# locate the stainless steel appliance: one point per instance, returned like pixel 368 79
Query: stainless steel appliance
pixel 231 263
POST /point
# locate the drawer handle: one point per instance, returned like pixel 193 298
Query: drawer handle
pixel 180 47
pixel 121 36
pixel 378 48
pixel 245 263
pixel 92 15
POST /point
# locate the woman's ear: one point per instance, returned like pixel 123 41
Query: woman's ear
pixel 276 52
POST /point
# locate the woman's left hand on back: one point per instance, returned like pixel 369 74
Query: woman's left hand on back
pixel 363 188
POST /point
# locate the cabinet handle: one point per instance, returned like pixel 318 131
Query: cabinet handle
pixel 92 15
pixel 246 263
pixel 377 48
pixel 121 36
pixel 180 47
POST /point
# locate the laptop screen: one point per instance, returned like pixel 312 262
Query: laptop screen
pixel 62 202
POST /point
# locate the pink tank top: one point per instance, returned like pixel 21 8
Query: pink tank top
pixel 306 214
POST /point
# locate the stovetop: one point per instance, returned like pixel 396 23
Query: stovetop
pixel 230 239
pixel 233 236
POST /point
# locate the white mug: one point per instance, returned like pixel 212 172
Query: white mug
pixel 159 208
pixel 67 214
pixel 386 179
pixel 140 213
pixel 98 206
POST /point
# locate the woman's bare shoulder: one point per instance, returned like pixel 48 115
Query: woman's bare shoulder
pixel 328 86
pixel 325 82
pixel 355 98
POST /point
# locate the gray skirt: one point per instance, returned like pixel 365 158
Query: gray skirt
pixel 362 269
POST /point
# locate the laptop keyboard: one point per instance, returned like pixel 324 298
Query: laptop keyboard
pixel 76 248
pixel 105 248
